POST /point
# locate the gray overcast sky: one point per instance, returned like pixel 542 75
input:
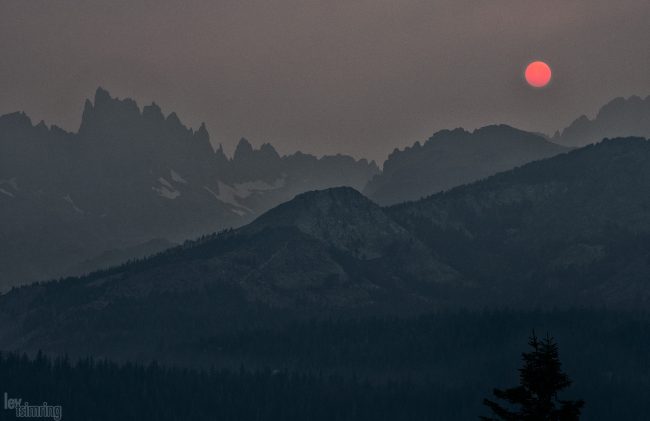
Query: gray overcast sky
pixel 324 76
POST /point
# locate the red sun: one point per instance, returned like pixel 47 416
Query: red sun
pixel 538 74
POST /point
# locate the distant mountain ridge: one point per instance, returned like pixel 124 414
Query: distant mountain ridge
pixel 618 118
pixel 451 158
pixel 131 175
pixel 570 230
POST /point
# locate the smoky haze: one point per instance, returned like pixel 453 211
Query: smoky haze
pixel 354 76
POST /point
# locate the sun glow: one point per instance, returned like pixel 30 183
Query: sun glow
pixel 538 74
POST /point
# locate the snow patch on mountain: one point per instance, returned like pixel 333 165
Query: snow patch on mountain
pixel 243 190
pixel 166 190
pixel 228 195
pixel 77 209
pixel 10 182
pixel 3 191
pixel 177 177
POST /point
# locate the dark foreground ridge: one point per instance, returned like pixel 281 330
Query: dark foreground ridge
pixel 432 367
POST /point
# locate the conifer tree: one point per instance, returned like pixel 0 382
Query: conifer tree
pixel 540 380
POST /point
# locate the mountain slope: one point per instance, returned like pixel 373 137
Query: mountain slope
pixel 326 252
pixel 572 230
pixel 452 158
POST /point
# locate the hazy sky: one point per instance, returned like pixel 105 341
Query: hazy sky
pixel 323 76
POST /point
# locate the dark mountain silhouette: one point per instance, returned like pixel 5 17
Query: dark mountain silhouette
pixel 131 175
pixel 619 117
pixel 567 231
pixel 451 158
pixel 570 230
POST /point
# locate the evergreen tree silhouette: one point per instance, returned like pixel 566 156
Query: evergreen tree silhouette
pixel 540 378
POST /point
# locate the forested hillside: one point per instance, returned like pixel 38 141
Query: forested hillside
pixel 433 367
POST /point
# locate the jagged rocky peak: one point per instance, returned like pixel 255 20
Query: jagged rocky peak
pixel 104 102
pixel 110 115
pixel 102 97
pixel 172 118
pixel 202 130
pixel 56 130
pixel 220 155
pixel 244 150
pixel 252 164
pixel 370 164
pixel 268 151
pixel 14 121
pixel 201 138
pixel 153 113
pixel 202 135
pixel 174 123
pixel 42 128
pixel 107 112
pixel 16 124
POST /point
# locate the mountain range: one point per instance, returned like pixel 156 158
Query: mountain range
pixel 132 182
pixel 619 117
pixel 451 158
pixel 570 230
